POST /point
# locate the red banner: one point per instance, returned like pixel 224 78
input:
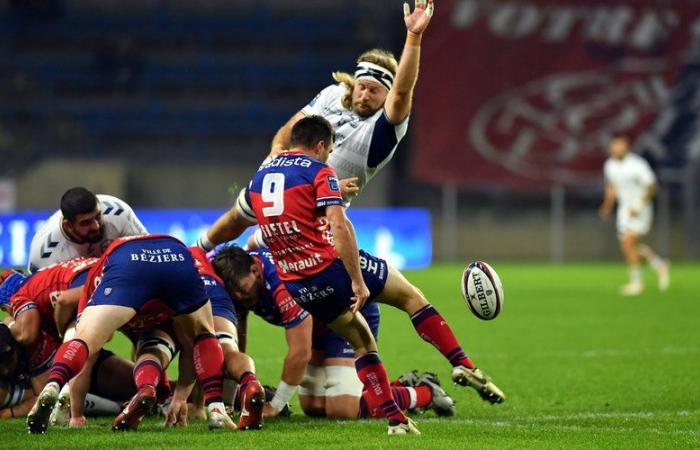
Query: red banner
pixel 527 94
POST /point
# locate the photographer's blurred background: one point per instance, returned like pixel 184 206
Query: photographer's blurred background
pixel 173 104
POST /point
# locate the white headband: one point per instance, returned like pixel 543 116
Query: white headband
pixel 370 71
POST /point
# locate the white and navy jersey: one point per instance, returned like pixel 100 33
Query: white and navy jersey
pixel 363 145
pixel 51 245
pixel 630 176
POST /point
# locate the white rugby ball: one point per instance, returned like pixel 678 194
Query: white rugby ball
pixel 482 290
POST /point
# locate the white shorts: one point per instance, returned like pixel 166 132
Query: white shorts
pixel 639 224
pixel 330 381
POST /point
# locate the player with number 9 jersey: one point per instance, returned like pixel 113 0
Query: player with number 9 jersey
pixel 282 194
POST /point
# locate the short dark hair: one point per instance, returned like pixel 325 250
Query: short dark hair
pixel 309 130
pixel 231 263
pixel 77 200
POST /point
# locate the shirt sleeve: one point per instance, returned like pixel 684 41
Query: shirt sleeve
pixel 132 224
pixel 21 304
pixel 327 188
pixel 321 102
pixel 646 174
pixel 292 313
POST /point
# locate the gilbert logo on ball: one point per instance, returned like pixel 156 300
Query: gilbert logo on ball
pixel 482 290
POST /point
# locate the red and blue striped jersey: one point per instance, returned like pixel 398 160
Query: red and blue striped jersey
pixel 289 196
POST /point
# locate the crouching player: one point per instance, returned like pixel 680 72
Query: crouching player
pixel 33 302
pixel 131 272
pixel 297 203
pixel 329 384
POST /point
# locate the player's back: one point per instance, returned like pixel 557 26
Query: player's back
pixel 288 196
pixel 630 176
pixel 43 288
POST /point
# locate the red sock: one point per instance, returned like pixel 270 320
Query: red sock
pixel 69 361
pixel 424 396
pixel 209 367
pixel 147 372
pixel 402 396
pixel 377 391
pixel 246 378
pixel 434 329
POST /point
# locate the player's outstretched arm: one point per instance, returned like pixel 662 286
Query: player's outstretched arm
pixel 281 140
pixel 346 246
pixel 400 97
pixel 227 227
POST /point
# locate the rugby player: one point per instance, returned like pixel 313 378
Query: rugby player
pixel 631 183
pixel 369 112
pixel 85 225
pixel 329 384
pixel 130 273
pixel 297 202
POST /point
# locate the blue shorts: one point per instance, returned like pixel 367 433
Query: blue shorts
pixel 221 303
pixel 80 279
pixel 145 269
pixel 334 345
pixel 328 294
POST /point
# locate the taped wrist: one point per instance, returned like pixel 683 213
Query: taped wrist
pixel 282 396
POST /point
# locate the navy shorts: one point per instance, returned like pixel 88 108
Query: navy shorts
pixel 221 303
pixel 328 294
pixel 334 345
pixel 144 269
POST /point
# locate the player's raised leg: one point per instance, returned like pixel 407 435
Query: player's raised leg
pixel 96 326
pixel 433 328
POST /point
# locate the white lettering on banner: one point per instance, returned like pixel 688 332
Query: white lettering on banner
pixel 612 24
pixel 565 117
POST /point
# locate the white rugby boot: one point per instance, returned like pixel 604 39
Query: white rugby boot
pixel 480 382
pixel 632 288
pixel 60 416
pixel 403 428
pixel 38 417
pixel 218 419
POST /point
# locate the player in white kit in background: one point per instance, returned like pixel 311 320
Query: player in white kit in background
pixel 85 225
pixel 631 183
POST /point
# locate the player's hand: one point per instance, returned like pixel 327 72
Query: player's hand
pixel 77 422
pixel 177 413
pixel 633 211
pixel 361 295
pixel 418 20
pixel 604 212
pixel 349 188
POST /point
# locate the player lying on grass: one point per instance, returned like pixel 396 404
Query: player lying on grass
pixel 130 273
pixel 297 202
pixel 329 385
pixel 31 301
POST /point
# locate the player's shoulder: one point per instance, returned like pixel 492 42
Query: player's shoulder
pixel 51 226
pixel 113 208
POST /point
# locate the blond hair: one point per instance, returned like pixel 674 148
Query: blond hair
pixel 377 56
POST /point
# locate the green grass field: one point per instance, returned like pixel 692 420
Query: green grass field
pixel 582 368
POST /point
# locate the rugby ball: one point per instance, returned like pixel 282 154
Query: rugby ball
pixel 482 290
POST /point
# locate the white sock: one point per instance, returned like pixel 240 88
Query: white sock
pixel 100 406
pixel 656 262
pixel 635 275
pixel 413 397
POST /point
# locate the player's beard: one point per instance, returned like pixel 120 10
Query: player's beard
pixel 363 109
pixel 94 238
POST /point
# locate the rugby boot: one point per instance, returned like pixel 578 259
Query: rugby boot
pixel 402 428
pixel 218 418
pixel 140 404
pixel 442 404
pixel 408 379
pixel 60 415
pixel 252 401
pixel 480 382
pixel 38 417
